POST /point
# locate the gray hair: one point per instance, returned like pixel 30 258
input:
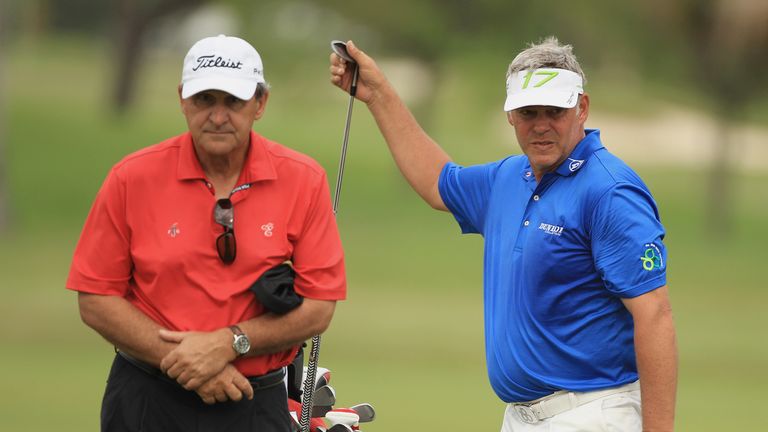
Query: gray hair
pixel 549 53
pixel 261 90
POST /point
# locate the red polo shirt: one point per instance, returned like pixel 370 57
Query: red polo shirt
pixel 150 237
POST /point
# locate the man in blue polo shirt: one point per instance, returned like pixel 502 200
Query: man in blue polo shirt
pixel 576 302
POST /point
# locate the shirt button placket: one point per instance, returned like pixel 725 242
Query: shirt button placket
pixel 527 222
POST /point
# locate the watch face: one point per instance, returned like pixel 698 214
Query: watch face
pixel 241 344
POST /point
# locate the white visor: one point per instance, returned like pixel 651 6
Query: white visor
pixel 545 87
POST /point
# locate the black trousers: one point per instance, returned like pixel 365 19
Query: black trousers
pixel 135 401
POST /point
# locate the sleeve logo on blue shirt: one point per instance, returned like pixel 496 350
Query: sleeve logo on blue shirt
pixel 652 258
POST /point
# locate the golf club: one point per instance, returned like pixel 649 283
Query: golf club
pixel 324 377
pixel 344 416
pixel 325 395
pixel 320 411
pixel 323 401
pixel 340 48
pixel 340 428
pixel 365 411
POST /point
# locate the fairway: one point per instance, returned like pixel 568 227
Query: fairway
pixel 409 339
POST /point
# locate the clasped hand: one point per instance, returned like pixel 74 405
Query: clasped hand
pixel 201 362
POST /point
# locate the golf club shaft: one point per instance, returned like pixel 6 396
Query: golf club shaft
pixel 343 157
pixel 314 354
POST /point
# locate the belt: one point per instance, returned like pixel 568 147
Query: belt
pixel 562 401
pixel 260 382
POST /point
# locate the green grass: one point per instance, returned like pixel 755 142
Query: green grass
pixel 409 339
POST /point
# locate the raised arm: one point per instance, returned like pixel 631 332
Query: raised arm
pixel 419 158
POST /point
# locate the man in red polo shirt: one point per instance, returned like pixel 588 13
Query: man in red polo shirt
pixel 176 236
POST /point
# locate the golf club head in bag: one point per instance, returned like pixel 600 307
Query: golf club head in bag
pixel 325 395
pixel 365 411
pixel 345 416
pixel 323 400
pixel 317 423
pixel 323 412
pixel 322 377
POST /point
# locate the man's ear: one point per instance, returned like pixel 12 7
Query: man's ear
pixel 262 101
pixel 181 100
pixel 583 108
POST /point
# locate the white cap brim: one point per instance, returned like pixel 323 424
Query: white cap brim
pixel 543 87
pixel 239 88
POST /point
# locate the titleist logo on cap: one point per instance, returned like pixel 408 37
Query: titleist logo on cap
pixel 211 61
pixel 223 63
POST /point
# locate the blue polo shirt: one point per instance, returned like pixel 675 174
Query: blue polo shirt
pixel 559 257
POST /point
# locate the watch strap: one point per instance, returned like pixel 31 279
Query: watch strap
pixel 236 330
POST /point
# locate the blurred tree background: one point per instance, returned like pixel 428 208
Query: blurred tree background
pixel 678 88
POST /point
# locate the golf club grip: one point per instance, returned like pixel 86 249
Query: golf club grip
pixel 309 385
pixel 355 75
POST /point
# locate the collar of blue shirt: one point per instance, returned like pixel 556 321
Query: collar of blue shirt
pixel 583 150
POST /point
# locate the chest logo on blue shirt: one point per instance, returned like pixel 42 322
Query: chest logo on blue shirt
pixel 551 229
pixel 651 258
pixel 575 164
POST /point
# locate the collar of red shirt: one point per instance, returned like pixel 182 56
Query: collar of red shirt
pixel 258 162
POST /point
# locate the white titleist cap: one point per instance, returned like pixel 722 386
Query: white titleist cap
pixel 223 63
pixel 546 86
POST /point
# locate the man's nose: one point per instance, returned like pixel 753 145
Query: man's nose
pixel 541 123
pixel 219 114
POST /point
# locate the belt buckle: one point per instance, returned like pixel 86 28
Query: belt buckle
pixel 526 414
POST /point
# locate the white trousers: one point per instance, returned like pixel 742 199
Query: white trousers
pixel 618 412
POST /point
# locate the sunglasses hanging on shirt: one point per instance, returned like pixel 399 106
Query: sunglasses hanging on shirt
pixel 224 215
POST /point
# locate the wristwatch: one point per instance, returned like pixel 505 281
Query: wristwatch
pixel 240 342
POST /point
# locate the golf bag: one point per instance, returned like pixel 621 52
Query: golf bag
pixel 275 291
